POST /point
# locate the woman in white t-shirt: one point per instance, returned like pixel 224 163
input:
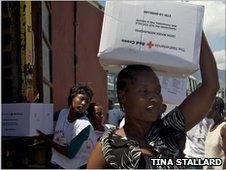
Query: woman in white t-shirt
pixel 215 144
pixel 74 137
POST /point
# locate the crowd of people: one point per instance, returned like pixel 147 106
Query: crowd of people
pixel 78 128
pixel 207 138
pixel 194 129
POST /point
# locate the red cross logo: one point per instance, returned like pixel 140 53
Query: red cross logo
pixel 149 44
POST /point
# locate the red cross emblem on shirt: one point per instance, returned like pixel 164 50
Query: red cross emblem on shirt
pixel 150 44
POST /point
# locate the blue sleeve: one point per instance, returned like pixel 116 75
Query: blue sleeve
pixel 78 141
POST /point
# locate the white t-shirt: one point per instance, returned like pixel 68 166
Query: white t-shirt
pixel 115 116
pixel 63 135
pixel 195 140
pixel 214 146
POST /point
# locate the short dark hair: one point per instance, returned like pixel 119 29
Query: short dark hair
pixel 127 76
pixel 79 89
pixel 91 111
pixel 219 102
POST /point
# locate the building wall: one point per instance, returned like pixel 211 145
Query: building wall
pixel 88 69
pixel 74 51
pixel 63 70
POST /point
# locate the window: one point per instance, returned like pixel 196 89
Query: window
pixel 46 52
pixel 112 92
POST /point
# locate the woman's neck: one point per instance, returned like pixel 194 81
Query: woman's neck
pixel 218 120
pixel 73 115
pixel 136 129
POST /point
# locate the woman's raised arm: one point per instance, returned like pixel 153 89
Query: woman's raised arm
pixel 198 103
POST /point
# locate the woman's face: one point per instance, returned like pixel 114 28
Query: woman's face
pixel 98 115
pixel 80 103
pixel 142 99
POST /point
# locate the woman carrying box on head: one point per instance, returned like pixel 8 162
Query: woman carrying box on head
pixel 144 135
pixel 74 137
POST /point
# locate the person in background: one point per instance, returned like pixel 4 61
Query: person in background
pixel 195 140
pixel 114 115
pixel 145 135
pixel 74 136
pixel 96 114
pixel 215 145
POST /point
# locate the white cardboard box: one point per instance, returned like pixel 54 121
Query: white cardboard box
pixel 22 119
pixel 173 89
pixel 163 35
